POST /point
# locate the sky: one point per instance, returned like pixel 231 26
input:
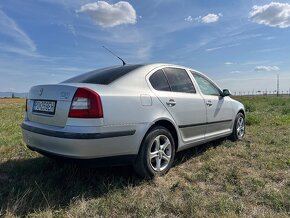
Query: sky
pixel 242 44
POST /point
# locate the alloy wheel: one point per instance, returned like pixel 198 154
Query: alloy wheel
pixel 240 127
pixel 160 153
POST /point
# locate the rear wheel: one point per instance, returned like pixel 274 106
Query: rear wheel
pixel 156 154
pixel 239 127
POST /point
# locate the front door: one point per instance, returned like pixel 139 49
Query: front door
pixel 218 108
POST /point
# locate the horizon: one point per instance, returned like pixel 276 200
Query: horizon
pixel 241 45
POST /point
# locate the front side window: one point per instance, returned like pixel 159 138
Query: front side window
pixel 206 87
pixel 159 81
pixel 179 80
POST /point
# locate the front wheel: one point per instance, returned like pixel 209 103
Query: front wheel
pixel 156 154
pixel 239 127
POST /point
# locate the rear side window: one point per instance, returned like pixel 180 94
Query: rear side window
pixel 103 76
pixel 179 80
pixel 159 81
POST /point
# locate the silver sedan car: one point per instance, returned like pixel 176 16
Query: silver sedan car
pixel 133 114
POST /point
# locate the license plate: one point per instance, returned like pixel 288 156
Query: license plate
pixel 45 107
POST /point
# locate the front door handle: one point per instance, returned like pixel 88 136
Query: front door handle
pixel 171 103
pixel 209 103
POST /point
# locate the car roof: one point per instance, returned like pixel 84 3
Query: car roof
pixel 128 72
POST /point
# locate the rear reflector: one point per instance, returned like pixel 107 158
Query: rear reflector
pixel 86 104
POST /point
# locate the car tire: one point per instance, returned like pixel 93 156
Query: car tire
pixel 239 128
pixel 156 154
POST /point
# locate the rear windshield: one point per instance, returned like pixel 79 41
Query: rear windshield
pixel 103 76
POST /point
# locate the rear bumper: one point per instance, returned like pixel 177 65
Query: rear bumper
pixel 124 141
pixel 103 161
pixel 74 135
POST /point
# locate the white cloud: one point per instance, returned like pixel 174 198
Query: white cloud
pixel 71 29
pixel 189 19
pixel 215 48
pixel 229 63
pixel 223 46
pixel 210 18
pixel 274 14
pixel 19 51
pixel 110 15
pixel 266 68
pixel 143 53
pixel 20 41
pixel 269 38
pixel 235 72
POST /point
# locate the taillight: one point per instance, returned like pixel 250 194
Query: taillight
pixel 86 104
pixel 26 105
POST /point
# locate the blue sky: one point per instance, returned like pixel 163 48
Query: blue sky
pixel 240 44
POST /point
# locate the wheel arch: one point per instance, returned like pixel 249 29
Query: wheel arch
pixel 168 125
pixel 242 111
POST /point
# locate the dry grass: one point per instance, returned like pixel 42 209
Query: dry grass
pixel 250 178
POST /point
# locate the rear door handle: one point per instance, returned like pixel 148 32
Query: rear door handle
pixel 208 103
pixel 171 103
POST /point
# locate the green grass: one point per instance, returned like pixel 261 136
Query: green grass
pixel 249 178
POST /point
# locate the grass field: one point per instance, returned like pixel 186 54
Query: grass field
pixel 249 178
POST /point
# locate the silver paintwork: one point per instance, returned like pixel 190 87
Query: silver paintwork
pixel 129 103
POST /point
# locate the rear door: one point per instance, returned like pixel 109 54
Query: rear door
pixel 218 108
pixel 177 93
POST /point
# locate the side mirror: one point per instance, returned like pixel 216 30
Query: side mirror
pixel 226 92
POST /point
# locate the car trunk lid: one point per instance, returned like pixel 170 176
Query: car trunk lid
pixel 50 104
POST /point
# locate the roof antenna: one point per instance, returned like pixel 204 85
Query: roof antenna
pixel 124 63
